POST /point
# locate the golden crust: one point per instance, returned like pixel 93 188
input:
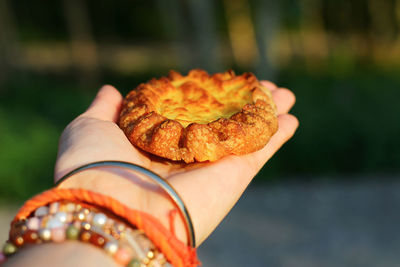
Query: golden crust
pixel 199 117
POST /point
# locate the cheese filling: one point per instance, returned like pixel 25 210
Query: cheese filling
pixel 202 102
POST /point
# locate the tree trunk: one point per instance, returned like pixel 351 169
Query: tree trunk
pixel 241 33
pixel 208 55
pixel 82 47
pixel 9 46
pixel 267 21
pixel 175 26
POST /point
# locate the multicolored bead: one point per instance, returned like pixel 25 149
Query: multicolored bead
pixel 31 236
pixel 41 211
pixel 99 219
pixel 122 256
pixel 54 207
pixel 134 263
pixel 111 247
pixel 33 223
pixel 61 221
pixel 85 236
pixel 70 207
pixel 54 223
pixel 97 240
pixel 150 254
pixel 86 226
pixel 80 216
pixel 58 235
pixel 72 232
pixel 120 227
pixel 61 216
pixel 85 211
pixel 45 234
pixel 18 241
pixel 9 249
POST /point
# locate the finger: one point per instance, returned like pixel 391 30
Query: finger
pixel 270 85
pixel 284 100
pixel 106 104
pixel 250 164
pixel 288 125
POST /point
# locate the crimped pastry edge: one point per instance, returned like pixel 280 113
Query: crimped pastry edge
pixel 244 132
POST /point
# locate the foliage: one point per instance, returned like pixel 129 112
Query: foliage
pixel 348 124
pixel 32 114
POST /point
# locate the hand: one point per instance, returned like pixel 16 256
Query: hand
pixel 209 190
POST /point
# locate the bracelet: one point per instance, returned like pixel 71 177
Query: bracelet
pixel 60 221
pixel 155 178
pixel 174 250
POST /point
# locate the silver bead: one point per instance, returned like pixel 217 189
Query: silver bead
pixel 111 247
pixel 99 219
pixel 45 234
pixel 41 211
pixel 61 216
pixel 54 223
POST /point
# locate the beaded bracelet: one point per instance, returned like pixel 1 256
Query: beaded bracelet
pixel 175 252
pixel 155 178
pixel 60 221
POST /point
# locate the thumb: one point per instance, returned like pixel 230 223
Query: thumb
pixel 106 104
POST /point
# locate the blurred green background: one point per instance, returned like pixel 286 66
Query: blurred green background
pixel 341 58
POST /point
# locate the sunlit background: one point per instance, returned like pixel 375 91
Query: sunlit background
pixel 341 58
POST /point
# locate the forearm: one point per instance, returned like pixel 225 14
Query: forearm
pixel 66 254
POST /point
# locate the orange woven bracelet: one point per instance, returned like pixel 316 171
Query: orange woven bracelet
pixel 176 252
pixel 162 183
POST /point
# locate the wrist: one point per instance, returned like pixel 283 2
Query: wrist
pixel 62 220
pixel 131 189
pixel 26 229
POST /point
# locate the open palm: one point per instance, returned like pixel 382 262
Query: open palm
pixel 209 190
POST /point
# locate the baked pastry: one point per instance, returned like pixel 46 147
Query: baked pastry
pixel 199 117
